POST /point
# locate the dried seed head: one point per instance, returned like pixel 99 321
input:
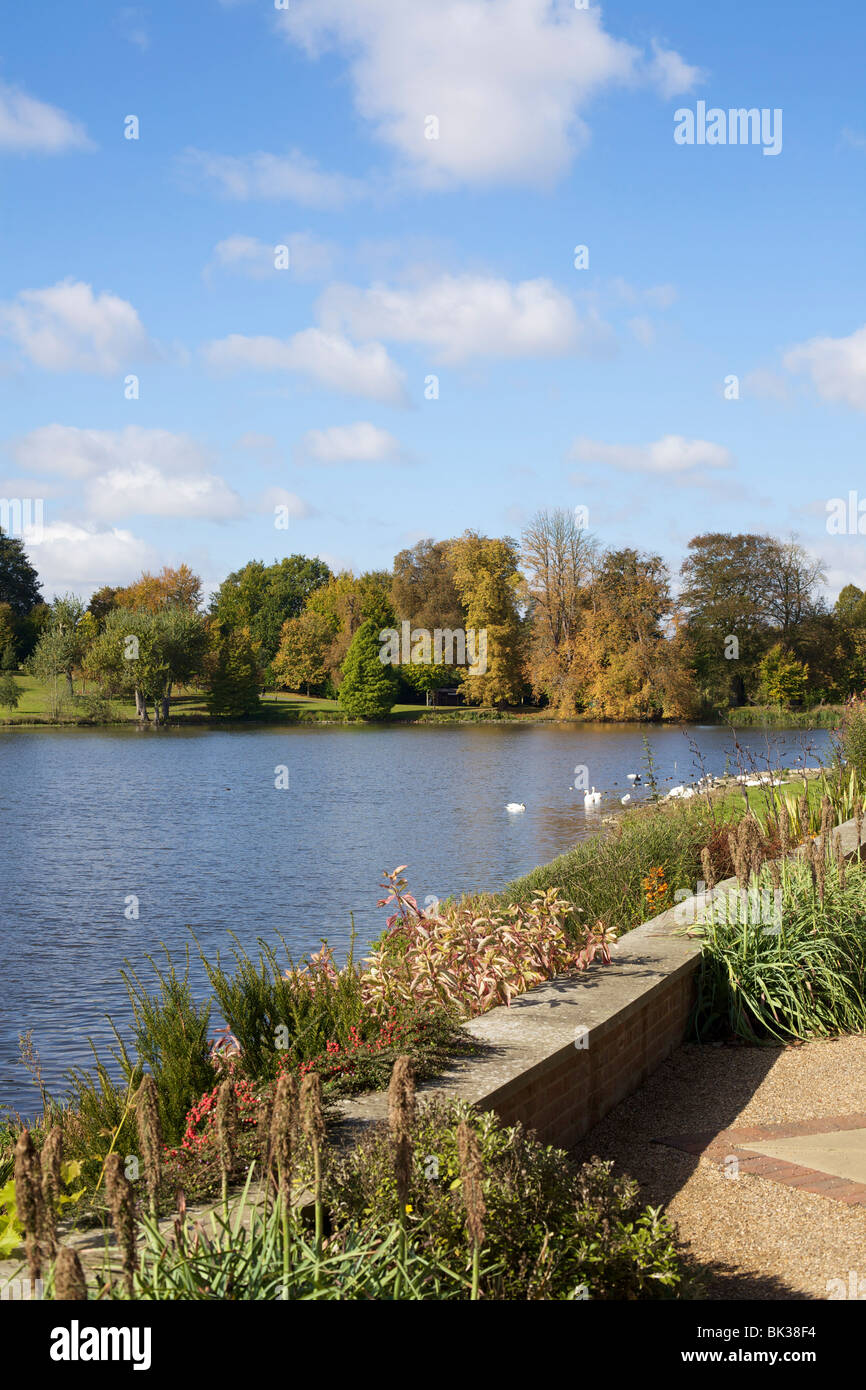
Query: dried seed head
pixel 149 1135
pixel 734 850
pixel 51 1161
pixel 69 1281
pixel 283 1132
pixel 841 863
pixel 707 868
pixel 472 1176
pixel 820 862
pixel 775 874
pixel 312 1110
pixel 785 831
pixel 29 1204
pixel 121 1204
pixel 401 1119
pixel 227 1127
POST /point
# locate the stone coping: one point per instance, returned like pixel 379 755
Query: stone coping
pixel 522 1040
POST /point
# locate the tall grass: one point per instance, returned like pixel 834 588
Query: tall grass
pixel 603 877
pixel 786 962
pixel 278 1010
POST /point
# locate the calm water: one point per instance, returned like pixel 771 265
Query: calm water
pixel 192 824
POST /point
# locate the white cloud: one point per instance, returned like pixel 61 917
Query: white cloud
pixel 672 455
pixel 31 126
pixel 131 472
pixel 140 489
pixel 66 327
pixel 837 367
pixel 78 557
pixel 362 442
pixel 463 316
pixel 274 497
pixel 309 258
pixel 70 452
pixel 670 73
pixel 508 80
pixel 290 178
pixel 328 359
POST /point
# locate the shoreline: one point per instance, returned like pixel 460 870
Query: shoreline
pixel 804 721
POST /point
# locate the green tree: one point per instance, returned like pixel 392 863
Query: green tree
pixel 19 582
pixel 784 679
pixel 233 672
pixel 263 597
pixel 144 654
pixel 369 687
pixel 10 692
pixel 7 638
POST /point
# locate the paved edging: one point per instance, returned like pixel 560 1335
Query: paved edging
pixel 559 1057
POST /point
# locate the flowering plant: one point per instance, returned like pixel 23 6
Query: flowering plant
pixel 473 960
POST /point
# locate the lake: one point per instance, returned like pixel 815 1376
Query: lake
pixel 191 824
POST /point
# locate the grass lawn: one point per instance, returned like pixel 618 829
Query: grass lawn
pixel 280 706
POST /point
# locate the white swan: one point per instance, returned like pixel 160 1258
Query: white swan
pixel 634 776
pixel 515 806
pixel 591 798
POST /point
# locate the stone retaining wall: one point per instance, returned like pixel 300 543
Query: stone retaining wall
pixel 564 1054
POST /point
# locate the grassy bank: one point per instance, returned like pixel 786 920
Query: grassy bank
pixel 189 708
pixel 775 717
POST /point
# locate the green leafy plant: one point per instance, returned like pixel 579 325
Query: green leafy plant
pixel 785 957
pixel 551 1229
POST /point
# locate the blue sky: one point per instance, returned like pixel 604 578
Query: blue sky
pixel 304 387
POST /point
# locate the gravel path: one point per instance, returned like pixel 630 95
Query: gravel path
pixel 754 1238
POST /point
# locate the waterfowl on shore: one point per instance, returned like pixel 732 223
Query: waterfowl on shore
pixel 625 799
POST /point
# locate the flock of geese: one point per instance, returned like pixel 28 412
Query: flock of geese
pixel 590 798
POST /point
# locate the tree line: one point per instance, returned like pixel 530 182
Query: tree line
pixel 572 625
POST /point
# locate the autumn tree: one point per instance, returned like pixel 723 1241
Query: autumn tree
pixel 301 662
pixel 622 648
pixel 346 602
pixel 423 591
pixel 171 588
pixel 559 559
pixel 490 585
